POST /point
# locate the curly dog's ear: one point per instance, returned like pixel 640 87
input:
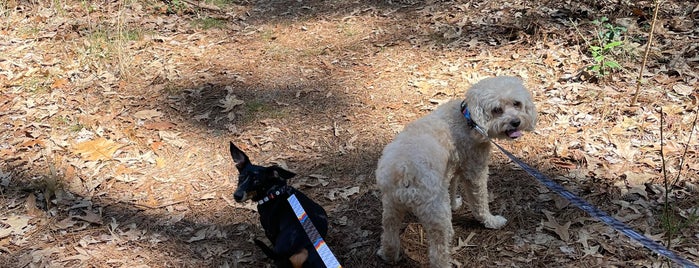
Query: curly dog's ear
pixel 530 109
pixel 479 113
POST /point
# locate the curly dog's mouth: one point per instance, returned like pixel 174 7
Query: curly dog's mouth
pixel 513 133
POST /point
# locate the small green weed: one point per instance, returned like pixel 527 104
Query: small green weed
pixel 76 128
pixel 36 85
pixel 257 109
pixel 131 35
pixel 223 3
pixel 176 7
pixel 208 23
pixel 609 40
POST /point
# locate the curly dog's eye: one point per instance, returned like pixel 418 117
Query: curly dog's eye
pixel 496 111
pixel 517 104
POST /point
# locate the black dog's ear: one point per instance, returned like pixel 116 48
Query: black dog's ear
pixel 279 172
pixel 239 157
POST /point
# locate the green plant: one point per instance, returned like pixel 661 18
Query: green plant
pixel 257 109
pixel 608 39
pixel 222 3
pixel 208 23
pixel 175 6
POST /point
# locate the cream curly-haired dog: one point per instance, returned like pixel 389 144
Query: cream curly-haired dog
pixel 425 165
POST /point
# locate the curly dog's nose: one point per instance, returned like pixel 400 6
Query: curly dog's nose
pixel 515 122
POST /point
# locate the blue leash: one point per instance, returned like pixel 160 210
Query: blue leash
pixel 587 207
pixel 318 243
pixel 599 214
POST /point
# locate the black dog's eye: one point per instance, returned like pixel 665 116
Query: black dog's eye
pixel 496 111
pixel 517 104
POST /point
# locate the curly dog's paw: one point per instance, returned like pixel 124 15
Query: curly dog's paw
pixel 456 203
pixel 395 256
pixel 495 222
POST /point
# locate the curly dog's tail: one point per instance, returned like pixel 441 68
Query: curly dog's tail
pixel 408 185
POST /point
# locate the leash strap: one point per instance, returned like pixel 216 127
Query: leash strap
pixel 581 203
pixel 599 214
pixel 323 250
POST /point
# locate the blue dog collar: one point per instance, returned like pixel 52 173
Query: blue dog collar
pixel 469 120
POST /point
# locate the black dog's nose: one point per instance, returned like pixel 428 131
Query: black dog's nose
pixel 238 196
pixel 515 122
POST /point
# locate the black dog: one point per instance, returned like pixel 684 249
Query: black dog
pixel 267 186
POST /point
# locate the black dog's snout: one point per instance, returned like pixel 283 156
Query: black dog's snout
pixel 238 196
pixel 515 122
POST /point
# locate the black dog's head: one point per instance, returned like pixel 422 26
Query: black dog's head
pixel 254 181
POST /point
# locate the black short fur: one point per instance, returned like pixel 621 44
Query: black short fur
pixel 282 228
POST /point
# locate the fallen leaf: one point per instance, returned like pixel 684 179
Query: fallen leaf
pixel 199 235
pixel 39 255
pixel 98 149
pixel 18 225
pixel 683 90
pixel 32 143
pixel 636 179
pixel 208 196
pixel 90 217
pixel 230 102
pixel 553 225
pixel 344 193
pixel 147 114
pixel 30 204
pixel 59 83
pixel 121 170
pixel 173 138
pixel 160 125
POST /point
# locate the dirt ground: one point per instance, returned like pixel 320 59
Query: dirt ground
pixel 115 118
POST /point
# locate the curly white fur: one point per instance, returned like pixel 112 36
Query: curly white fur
pixel 423 168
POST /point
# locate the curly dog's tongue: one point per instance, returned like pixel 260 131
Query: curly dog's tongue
pixel 513 134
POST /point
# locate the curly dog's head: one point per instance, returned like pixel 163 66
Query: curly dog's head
pixel 502 106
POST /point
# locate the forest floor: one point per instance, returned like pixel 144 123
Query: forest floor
pixel 115 119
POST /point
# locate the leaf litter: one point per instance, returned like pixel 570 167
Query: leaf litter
pixel 133 141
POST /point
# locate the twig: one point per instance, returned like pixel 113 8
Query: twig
pixel 645 56
pixel 686 148
pixel 672 229
pixel 666 205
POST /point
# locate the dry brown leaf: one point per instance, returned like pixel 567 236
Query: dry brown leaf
pixel 160 125
pixel 18 225
pixel 553 225
pixel 147 114
pixel 30 205
pixel 59 83
pixel 90 217
pixel 121 170
pixel 343 193
pixel 199 235
pixel 230 102
pixel 97 149
pixel 682 89
pixel 64 224
pixel 33 142
pixel 173 138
